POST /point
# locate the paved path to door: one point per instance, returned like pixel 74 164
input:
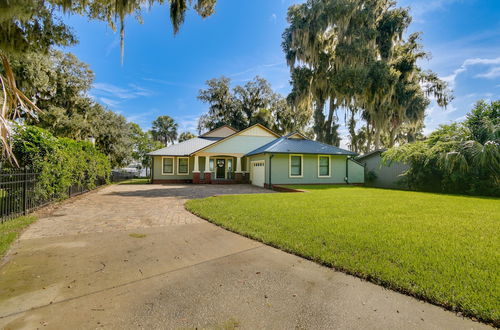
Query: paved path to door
pixel 131 257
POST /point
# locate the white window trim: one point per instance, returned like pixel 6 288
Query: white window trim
pixel 290 166
pixel 329 166
pixel 178 162
pixel 173 166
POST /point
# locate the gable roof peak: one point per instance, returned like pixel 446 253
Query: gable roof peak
pixel 222 131
pixel 296 135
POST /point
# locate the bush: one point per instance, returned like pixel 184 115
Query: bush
pixel 61 162
pixel 461 158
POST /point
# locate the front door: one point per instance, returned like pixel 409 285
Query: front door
pixel 221 168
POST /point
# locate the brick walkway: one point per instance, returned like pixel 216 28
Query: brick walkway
pixel 127 207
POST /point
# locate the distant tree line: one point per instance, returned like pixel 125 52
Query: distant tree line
pixel 249 104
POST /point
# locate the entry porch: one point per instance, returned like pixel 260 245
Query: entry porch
pixel 203 168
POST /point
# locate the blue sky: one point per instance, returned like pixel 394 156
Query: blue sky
pixel 162 74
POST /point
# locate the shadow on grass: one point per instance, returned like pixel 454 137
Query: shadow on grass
pixel 395 190
pixel 135 181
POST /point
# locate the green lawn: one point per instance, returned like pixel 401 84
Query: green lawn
pixel 442 248
pixel 11 229
pixel 135 181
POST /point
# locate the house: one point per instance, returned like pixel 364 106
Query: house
pixel 382 175
pixel 254 155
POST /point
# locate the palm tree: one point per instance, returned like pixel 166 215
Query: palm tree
pixel 164 130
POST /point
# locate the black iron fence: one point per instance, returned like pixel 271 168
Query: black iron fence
pixel 20 192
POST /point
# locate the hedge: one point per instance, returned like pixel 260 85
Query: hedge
pixel 60 162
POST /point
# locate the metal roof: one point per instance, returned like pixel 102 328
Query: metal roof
pixel 368 154
pixel 286 145
pixel 185 148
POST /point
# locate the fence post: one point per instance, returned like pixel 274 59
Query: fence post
pixel 25 191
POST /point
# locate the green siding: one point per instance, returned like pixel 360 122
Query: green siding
pixel 280 169
pixel 240 144
pixel 158 167
pixel 388 176
pixel 356 172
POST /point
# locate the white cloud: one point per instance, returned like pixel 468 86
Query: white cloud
pixel 420 8
pixel 142 118
pixel 273 17
pixel 109 102
pixel 171 83
pixel 493 73
pixel 187 123
pixel 113 96
pixel 256 68
pixel 485 61
pixel 435 115
pixel 120 92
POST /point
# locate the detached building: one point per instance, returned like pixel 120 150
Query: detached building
pixel 384 176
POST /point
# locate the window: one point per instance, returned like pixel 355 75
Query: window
pixel 211 165
pixel 295 165
pixel 183 165
pixel 323 166
pixel 168 165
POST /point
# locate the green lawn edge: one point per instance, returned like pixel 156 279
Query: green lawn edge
pixel 192 207
pixel 135 181
pixel 10 231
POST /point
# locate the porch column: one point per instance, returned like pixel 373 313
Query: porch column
pixel 207 173
pixel 196 170
pixel 238 164
pixel 238 175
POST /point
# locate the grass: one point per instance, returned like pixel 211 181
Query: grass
pixel 441 248
pixel 11 229
pixel 135 181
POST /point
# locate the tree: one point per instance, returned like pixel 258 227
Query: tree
pixel 25 26
pixel 31 26
pixel 143 143
pixel 113 136
pixel 484 121
pixel 186 136
pixel 164 130
pixel 222 108
pixel 452 159
pixel 243 106
pixel 352 55
pixel 59 83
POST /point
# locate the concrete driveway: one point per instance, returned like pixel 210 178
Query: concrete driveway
pixel 130 256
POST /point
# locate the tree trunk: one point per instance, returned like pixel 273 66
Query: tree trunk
pixel 368 137
pixel 392 137
pixel 328 124
pixel 377 138
pixel 319 120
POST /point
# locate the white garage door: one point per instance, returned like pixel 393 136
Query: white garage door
pixel 258 173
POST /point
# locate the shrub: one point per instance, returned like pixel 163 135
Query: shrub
pixel 458 158
pixel 61 162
